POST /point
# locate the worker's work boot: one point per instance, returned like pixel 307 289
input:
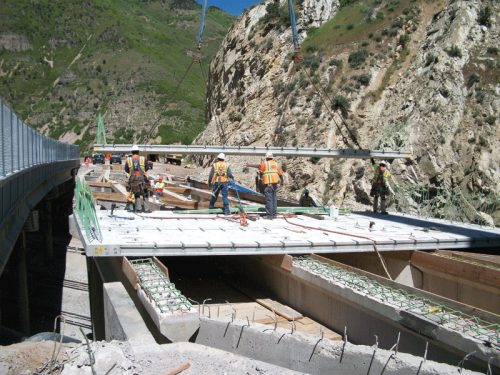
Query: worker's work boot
pixel 375 204
pixel 382 207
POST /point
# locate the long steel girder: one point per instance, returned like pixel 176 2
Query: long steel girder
pixel 164 233
pixel 258 151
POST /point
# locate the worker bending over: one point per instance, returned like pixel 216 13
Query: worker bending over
pixel 136 167
pixel 272 176
pixel 380 185
pixel 218 179
pixel 306 200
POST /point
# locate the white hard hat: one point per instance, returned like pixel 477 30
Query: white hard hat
pixel 383 162
pixel 135 148
pixel 221 156
pixel 269 155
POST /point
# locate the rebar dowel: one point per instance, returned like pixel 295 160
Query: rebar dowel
pixel 315 345
pixel 373 355
pixel 424 358
pixel 460 364
pixel 343 346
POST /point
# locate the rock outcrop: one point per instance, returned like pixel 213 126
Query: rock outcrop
pixel 429 83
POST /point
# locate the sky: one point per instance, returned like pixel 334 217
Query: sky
pixel 235 7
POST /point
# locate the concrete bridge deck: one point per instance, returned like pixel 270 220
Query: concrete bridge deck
pixel 163 233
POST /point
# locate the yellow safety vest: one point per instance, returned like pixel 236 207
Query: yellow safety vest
pixel 220 172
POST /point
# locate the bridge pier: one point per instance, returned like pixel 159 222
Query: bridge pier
pixel 47 229
pixel 22 284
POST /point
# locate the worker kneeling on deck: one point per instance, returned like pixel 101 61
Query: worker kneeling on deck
pixel 136 167
pixel 380 185
pixel 306 200
pixel 218 179
pixel 159 186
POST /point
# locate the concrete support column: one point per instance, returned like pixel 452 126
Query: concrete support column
pixel 47 229
pixel 22 284
pixel 96 300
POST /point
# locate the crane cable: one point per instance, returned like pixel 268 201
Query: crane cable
pixel 298 59
pixel 218 125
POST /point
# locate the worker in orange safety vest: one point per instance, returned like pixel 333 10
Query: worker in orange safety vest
pixel 218 179
pixel 272 176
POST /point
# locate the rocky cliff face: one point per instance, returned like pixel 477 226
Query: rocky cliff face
pixel 420 75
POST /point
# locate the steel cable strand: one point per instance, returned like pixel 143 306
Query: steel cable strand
pixel 375 248
pixel 328 108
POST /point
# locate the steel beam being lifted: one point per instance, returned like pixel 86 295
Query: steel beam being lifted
pixel 258 151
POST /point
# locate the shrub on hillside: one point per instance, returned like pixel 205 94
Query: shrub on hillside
pixel 473 78
pixel 335 62
pixel 357 58
pixel 364 79
pixel 430 59
pixel 484 16
pixel 317 108
pixel 454 51
pixel 342 104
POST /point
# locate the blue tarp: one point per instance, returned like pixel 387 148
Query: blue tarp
pixel 235 186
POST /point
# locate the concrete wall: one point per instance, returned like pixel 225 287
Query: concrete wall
pixel 337 313
pixel 438 280
pixel 308 354
pixel 122 320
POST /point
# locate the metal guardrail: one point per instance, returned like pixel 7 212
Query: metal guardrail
pixel 258 151
pixel 85 207
pixel 31 165
pixel 22 147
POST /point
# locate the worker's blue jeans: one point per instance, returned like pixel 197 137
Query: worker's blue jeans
pixel 271 200
pixel 216 188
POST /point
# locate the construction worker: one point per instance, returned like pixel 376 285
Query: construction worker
pixel 136 167
pixel 218 179
pixel 380 187
pixel 272 176
pixel 159 186
pixel 306 200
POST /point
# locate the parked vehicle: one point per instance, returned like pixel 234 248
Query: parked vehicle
pixel 115 159
pixel 98 159
pixel 173 159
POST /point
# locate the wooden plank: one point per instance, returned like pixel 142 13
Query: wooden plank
pixel 99 184
pixel 485 259
pixel 161 266
pixel 117 167
pixel 129 272
pixel 178 201
pixel 280 309
pixel 178 189
pixel 455 267
pixel 110 197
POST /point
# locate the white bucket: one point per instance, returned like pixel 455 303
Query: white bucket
pixel 334 212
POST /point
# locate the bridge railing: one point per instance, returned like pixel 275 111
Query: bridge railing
pixel 22 147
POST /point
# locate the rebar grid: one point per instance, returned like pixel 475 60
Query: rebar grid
pixel 438 313
pixel 158 287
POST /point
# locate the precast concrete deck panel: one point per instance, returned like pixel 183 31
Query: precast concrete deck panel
pixel 163 233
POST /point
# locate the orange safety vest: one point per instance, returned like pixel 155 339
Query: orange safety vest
pixel 220 172
pixel 270 172
pixel 142 164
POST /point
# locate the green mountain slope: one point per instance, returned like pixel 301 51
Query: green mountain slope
pixel 62 62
